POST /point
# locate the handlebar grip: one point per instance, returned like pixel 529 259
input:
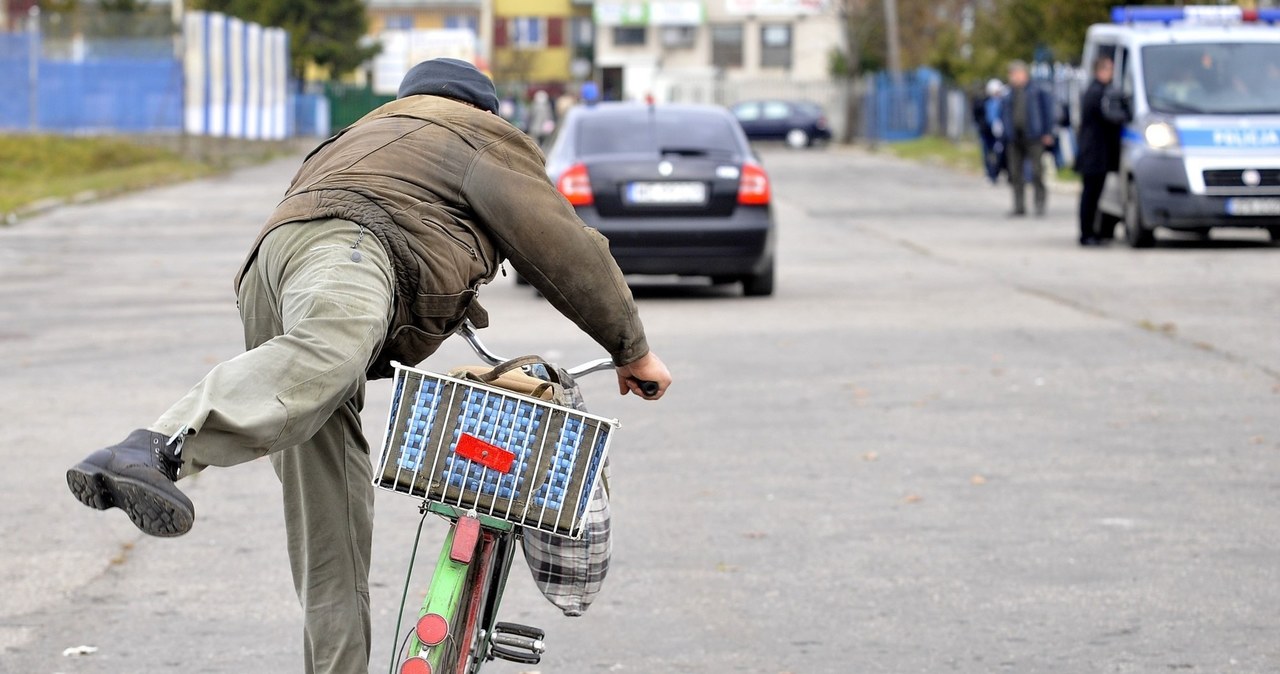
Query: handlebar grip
pixel 649 388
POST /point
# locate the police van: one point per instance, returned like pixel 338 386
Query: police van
pixel 1198 92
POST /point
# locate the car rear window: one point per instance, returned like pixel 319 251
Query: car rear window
pixel 644 132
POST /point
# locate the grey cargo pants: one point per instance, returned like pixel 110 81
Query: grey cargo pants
pixel 313 320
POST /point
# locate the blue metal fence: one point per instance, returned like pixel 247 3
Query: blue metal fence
pixel 115 86
pixel 231 79
pixel 125 95
pixel 900 105
pixel 310 115
pixel 127 86
pixel 16 81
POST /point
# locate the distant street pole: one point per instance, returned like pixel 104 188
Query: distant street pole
pixel 891 29
pixel 33 67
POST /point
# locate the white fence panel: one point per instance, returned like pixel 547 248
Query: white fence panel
pixel 236 78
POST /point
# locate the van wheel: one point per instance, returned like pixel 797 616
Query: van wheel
pixel 1136 231
pixel 798 138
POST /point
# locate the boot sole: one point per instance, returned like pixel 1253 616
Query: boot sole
pixel 150 509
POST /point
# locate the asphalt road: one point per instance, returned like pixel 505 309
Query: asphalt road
pixel 951 443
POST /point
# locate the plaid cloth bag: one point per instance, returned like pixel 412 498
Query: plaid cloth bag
pixel 568 572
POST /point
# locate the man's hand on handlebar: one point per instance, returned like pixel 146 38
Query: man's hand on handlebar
pixel 648 372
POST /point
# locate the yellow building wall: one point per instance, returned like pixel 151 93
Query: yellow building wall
pixel 532 7
pixel 421 20
pixel 547 64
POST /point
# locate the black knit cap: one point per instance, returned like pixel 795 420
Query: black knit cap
pixel 450 78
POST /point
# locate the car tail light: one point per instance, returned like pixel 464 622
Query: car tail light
pixel 575 185
pixel 822 123
pixel 753 186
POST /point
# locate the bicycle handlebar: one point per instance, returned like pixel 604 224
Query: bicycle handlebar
pixel 468 332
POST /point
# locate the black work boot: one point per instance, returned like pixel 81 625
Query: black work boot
pixel 136 476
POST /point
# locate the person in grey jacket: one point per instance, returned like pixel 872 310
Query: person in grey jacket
pixel 376 253
pixel 1028 126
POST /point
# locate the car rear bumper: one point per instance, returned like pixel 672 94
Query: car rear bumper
pixel 739 244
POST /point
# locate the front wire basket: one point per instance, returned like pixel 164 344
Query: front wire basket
pixel 487 449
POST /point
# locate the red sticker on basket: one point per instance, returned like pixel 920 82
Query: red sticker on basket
pixel 485 454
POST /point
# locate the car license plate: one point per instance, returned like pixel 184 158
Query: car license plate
pixel 1253 206
pixel 667 193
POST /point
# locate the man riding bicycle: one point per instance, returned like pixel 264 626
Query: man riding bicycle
pixel 375 254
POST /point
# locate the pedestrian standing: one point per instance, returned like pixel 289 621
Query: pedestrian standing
pixel 1028 124
pixel 1098 152
pixel 374 255
pixel 542 119
pixel 986 116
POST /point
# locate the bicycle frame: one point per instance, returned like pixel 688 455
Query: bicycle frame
pixel 457 629
pixel 475 558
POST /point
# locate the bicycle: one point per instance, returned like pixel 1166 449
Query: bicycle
pixel 495 471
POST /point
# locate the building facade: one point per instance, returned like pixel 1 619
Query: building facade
pixel 411 31
pixel 659 48
pixel 424 15
pixel 14 13
pixel 541 43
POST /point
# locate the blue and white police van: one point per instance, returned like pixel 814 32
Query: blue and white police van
pixel 1198 91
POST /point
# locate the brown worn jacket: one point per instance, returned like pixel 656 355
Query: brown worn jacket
pixel 451 191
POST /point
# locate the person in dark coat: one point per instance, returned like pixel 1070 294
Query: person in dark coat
pixel 1098 152
pixel 1028 126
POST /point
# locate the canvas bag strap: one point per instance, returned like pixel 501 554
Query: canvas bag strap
pixel 505 372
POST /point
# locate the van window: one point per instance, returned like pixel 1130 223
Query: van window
pixel 1124 71
pixel 1213 78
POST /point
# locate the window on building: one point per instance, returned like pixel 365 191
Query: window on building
pixel 629 36
pixel 679 37
pixel 775 45
pixel 726 45
pixel 527 31
pixel 584 32
pixel 398 22
pixel 463 22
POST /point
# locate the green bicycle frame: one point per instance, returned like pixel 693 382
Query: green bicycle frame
pixel 449 582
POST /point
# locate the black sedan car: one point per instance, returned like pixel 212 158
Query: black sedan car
pixel 799 123
pixel 675 188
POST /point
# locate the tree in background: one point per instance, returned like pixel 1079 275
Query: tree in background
pixel 969 40
pixel 925 29
pixel 326 33
pixel 104 19
pixel 1004 30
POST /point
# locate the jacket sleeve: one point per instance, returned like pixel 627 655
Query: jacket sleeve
pixel 1046 106
pixel 537 230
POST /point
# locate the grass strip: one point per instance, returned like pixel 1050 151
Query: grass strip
pixel 962 155
pixel 34 168
pixel 937 150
